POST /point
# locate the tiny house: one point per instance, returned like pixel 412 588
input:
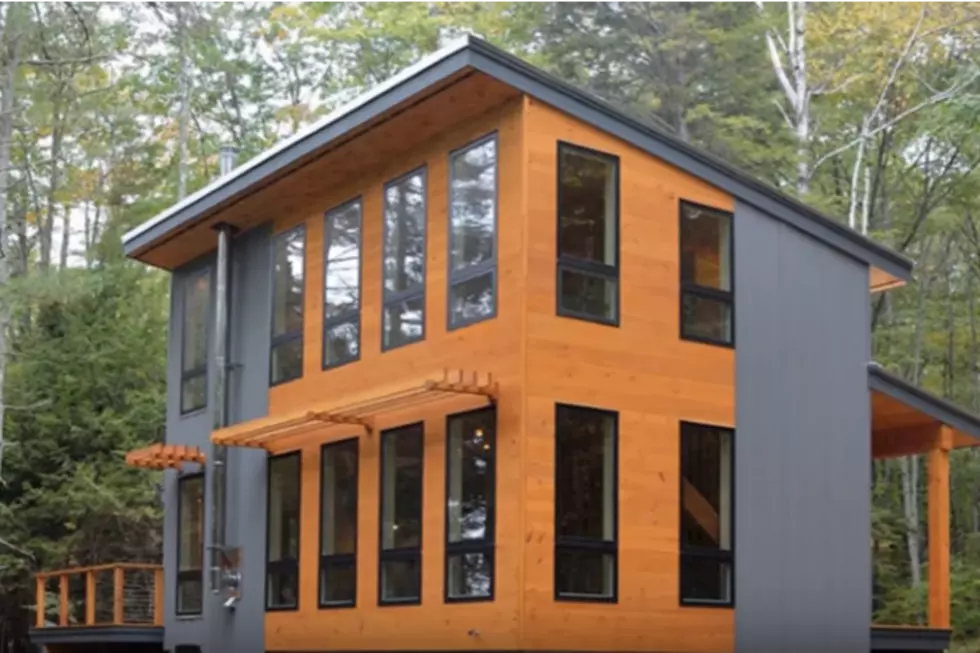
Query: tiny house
pixel 478 362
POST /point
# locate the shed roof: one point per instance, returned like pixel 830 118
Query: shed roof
pixel 474 54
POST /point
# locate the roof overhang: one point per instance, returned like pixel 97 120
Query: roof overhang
pixel 469 54
pixel 906 420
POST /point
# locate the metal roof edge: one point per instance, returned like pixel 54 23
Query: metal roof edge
pixel 945 411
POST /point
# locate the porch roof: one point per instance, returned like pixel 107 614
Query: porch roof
pixel 165 456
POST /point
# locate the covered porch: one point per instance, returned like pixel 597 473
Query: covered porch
pixel 907 421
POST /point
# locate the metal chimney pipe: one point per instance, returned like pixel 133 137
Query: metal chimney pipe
pixel 220 454
pixel 227 159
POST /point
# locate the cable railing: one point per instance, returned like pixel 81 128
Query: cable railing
pixel 117 594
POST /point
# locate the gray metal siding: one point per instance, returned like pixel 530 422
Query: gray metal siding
pixel 219 629
pixel 802 477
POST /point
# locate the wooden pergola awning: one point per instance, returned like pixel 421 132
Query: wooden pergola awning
pixel 165 456
pixel 906 420
pixel 267 432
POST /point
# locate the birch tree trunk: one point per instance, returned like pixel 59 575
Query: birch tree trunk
pixel 794 85
pixel 183 118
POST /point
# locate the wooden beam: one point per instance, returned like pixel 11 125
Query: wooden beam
pixel 90 598
pixel 63 600
pixel 158 597
pixel 118 583
pixel 700 508
pixel 39 592
pixel 939 597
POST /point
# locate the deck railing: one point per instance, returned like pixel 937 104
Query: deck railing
pixel 119 594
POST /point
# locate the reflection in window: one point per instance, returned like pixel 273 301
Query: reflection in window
pixel 194 349
pixel 472 233
pixel 586 511
pixel 706 274
pixel 282 561
pixel 342 285
pixel 588 247
pixel 403 319
pixel 471 453
pixel 287 305
pixel 338 524
pixel 401 515
pixel 707 481
pixel 190 549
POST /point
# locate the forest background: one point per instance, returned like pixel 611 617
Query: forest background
pixel 111 112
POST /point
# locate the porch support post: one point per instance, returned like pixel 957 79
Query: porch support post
pixel 939 598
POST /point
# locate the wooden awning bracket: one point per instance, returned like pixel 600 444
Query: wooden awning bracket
pixel 165 456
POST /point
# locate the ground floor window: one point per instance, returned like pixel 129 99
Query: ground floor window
pixel 190 548
pixel 400 556
pixel 282 555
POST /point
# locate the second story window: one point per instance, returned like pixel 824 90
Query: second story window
pixel 707 483
pixel 471 445
pixel 194 342
pixel 403 314
pixel 585 504
pixel 190 544
pixel 342 285
pixel 707 302
pixel 588 234
pixel 282 549
pixel 338 524
pixel 473 233
pixel 288 260
pixel 401 516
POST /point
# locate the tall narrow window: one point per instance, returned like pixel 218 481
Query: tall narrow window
pixel 706 275
pixel 707 482
pixel 588 234
pixel 403 319
pixel 194 345
pixel 586 504
pixel 286 359
pixel 400 575
pixel 470 470
pixel 282 556
pixel 338 524
pixel 190 544
pixel 342 285
pixel 473 233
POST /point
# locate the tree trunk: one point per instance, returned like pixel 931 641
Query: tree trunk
pixel 183 118
pixel 797 18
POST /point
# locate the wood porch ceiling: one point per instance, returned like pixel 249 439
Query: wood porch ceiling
pixel 268 432
pixel 165 456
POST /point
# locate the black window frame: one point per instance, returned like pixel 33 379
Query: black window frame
pixel 581 266
pixel 706 292
pixel 201 370
pixel 389 299
pixel 189 575
pixel 686 553
pixel 279 566
pixel 290 336
pixel 339 559
pixel 566 543
pixel 348 317
pixel 403 553
pixel 456 278
pixel 487 545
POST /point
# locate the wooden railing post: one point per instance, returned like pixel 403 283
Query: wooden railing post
pixel 39 590
pixel 939 595
pixel 90 598
pixel 117 595
pixel 63 600
pixel 158 597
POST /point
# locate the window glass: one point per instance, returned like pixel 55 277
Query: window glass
pixel 706 318
pixel 404 260
pixel 342 285
pixel 194 350
pixel 190 551
pixel 338 522
pixel 471 452
pixel 404 322
pixel 283 536
pixel 288 254
pixel 706 514
pixel 586 513
pixel 401 514
pixel 707 303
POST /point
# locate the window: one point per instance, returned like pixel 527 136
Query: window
pixel 473 233
pixel 286 361
pixel 706 275
pixel 470 471
pixel 190 544
pixel 338 524
pixel 194 345
pixel 588 234
pixel 585 510
pixel 282 556
pixel 400 575
pixel 707 484
pixel 403 319
pixel 342 285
